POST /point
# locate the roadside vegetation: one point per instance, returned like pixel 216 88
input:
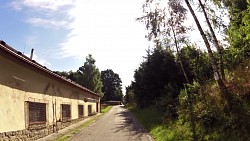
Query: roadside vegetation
pixel 206 114
pixel 71 133
pixel 183 92
pixel 106 83
pixel 74 131
pixel 105 110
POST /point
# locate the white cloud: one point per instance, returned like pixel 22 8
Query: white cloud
pixel 45 13
pixel 101 25
pixel 41 4
pixel 43 62
pixel 107 30
pixel 39 60
pixel 46 22
pixel 31 40
pixel 104 28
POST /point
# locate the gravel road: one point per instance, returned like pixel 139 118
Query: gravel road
pixel 117 125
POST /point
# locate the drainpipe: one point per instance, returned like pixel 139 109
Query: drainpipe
pixel 53 110
pixel 56 118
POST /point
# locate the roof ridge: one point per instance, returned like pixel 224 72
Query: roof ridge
pixel 35 64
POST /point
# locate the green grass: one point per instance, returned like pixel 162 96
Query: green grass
pixel 105 110
pixel 151 120
pixel 148 117
pixel 63 138
pixel 67 136
pixel 74 131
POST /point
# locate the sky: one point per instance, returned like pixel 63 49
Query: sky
pixel 64 32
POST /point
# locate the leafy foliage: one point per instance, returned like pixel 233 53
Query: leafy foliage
pixel 129 97
pixel 239 28
pixel 196 63
pixel 212 121
pixel 154 76
pixel 90 76
pixel 112 87
pixel 199 110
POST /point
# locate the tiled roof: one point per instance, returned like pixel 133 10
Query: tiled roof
pixel 34 65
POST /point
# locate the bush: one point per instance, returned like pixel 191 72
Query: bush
pixel 210 119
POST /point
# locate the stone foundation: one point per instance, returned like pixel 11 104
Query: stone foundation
pixel 35 131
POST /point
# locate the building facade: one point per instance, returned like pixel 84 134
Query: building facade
pixel 35 101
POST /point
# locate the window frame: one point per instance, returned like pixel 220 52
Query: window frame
pixel 36 117
pixel 80 108
pixel 90 112
pixel 66 110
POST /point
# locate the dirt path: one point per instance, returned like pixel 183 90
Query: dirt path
pixel 117 125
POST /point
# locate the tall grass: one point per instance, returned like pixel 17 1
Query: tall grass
pixel 212 120
pixel 151 119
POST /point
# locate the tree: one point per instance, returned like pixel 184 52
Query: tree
pixel 167 24
pixel 73 76
pixel 130 96
pixel 210 53
pixel 196 63
pixel 239 26
pixel 112 87
pixel 155 21
pixel 89 75
pixel 157 77
pixel 177 16
pixel 215 41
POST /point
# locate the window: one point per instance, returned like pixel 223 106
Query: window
pixel 80 111
pixel 66 112
pixel 89 110
pixel 37 113
pixel 97 107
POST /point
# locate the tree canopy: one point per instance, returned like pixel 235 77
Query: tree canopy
pixel 112 86
pixel 196 90
pixel 89 75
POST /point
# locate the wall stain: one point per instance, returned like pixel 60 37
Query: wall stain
pixel 59 90
pixel 15 85
pixel 46 89
pixel 74 95
pixel 49 90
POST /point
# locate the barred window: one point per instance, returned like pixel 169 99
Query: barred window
pixel 80 111
pixel 66 112
pixel 37 113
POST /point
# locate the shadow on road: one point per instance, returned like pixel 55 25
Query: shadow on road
pixel 128 123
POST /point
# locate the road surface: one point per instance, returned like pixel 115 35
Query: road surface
pixel 117 125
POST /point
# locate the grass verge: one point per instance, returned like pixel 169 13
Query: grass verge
pixel 148 117
pixel 151 120
pixel 74 131
pixel 105 110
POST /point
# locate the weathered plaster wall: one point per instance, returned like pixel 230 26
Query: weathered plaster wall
pixel 11 110
pixel 19 84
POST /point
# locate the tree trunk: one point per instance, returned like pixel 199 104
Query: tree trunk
pixel 215 42
pixel 210 53
pixel 178 55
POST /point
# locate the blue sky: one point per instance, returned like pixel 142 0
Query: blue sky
pixel 64 32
